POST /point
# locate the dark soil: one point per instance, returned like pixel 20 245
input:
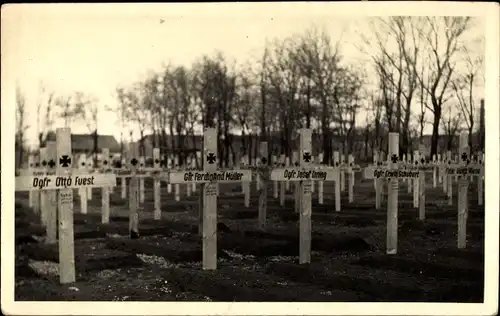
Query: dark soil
pixel 348 260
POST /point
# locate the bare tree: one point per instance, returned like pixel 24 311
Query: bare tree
pixel 122 111
pixel 66 109
pixel 424 96
pixel 396 68
pixel 86 108
pixel 318 61
pixel 21 126
pixel 138 112
pixel 451 126
pixel 44 113
pixel 443 42
pixel 464 88
pixel 246 110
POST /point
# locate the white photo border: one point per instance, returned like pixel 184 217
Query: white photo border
pixel 488 11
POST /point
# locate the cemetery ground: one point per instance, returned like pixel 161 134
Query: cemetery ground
pixel 348 261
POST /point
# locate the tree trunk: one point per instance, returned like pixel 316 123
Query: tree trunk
pixel 481 126
pixel 435 131
pixel 96 146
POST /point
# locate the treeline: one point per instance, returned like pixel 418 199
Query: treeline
pixel 301 81
pixel 418 71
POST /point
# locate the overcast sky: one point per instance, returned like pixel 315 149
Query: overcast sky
pixel 95 48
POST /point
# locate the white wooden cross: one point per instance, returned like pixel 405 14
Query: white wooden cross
pixel 188 186
pixel 209 176
pixel 347 168
pixel 350 169
pixel 274 162
pixel 177 186
pixel 105 167
pixel 64 181
pixel 34 197
pixel 434 171
pixel 88 168
pixel 480 188
pixel 416 156
pixel 422 166
pixel 156 184
pixel 319 163
pixel 246 184
pixel 134 194
pixel 464 170
pixel 393 173
pixel 169 167
pixel 282 163
pixel 123 180
pixel 43 194
pixel 262 178
pixel 51 196
pixel 409 183
pixel 83 192
pixel 257 175
pixel 378 184
pixel 46 200
pixel 296 187
pixel 302 175
pixel 193 166
pixel 449 180
pixel 342 172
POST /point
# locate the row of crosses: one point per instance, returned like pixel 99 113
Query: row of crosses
pixel 65 161
pixel 394 159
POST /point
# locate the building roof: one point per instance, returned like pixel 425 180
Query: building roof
pixel 85 142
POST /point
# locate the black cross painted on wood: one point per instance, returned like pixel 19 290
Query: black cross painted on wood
pixel 422 161
pixel 263 160
pixel 211 158
pixel 65 161
pixel 105 162
pixel 133 162
pixel 44 163
pixel 306 156
pixel 52 163
pixel 464 156
pixel 394 158
pixel 157 161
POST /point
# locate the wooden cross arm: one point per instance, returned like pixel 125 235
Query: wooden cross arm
pixel 464 170
pixel 302 173
pixel 200 176
pixel 388 173
pixel 69 181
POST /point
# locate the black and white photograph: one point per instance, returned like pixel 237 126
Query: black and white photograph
pixel 286 158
